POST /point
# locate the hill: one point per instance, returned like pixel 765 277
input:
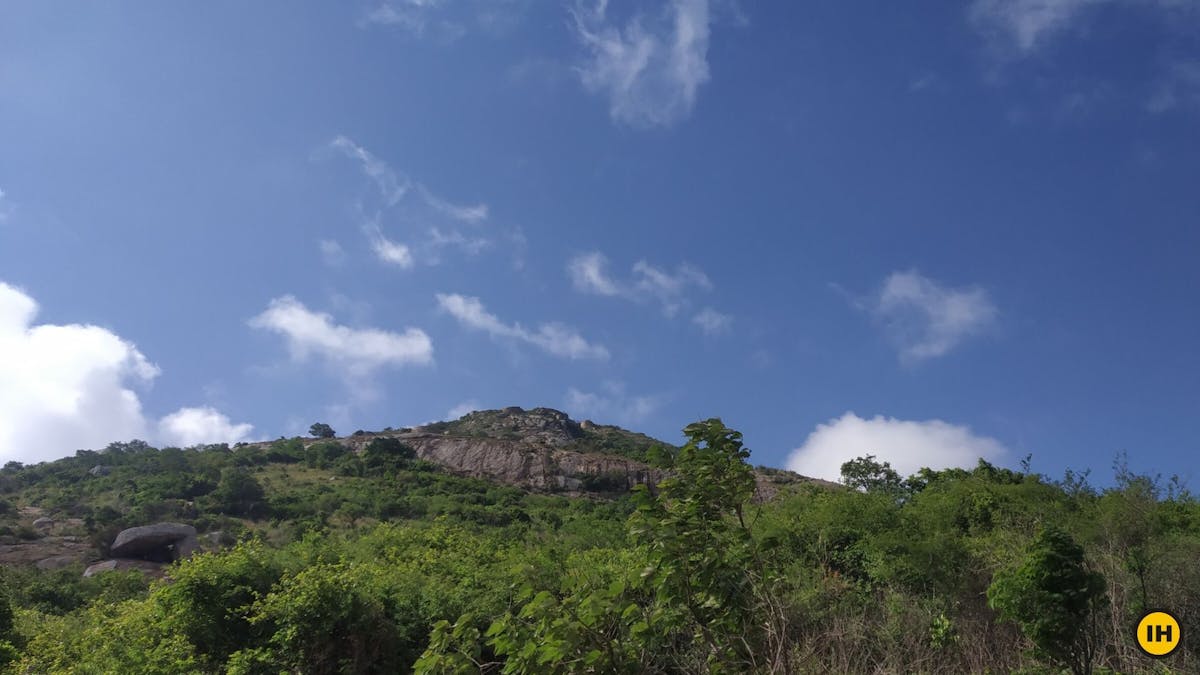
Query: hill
pixel 59 513
pixel 522 541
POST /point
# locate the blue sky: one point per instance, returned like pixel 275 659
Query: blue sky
pixel 929 233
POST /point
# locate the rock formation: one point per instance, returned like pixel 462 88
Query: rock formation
pixel 161 542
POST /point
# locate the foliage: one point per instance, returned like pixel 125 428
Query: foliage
pixel 321 430
pixel 352 561
pixel 1055 598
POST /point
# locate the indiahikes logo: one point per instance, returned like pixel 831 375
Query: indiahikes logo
pixel 1158 633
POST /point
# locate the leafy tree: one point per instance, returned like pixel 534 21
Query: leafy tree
pixel 338 619
pixel 321 430
pixel 238 493
pixel 869 475
pixel 386 454
pixel 209 599
pixel 1054 598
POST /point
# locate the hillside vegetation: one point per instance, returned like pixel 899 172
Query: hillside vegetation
pixel 387 552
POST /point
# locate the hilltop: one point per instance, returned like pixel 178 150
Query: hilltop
pixel 65 513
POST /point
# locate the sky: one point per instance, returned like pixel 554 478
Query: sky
pixel 930 232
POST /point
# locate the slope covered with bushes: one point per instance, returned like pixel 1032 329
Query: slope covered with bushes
pixel 376 562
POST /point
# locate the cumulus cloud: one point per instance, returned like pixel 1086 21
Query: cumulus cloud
pixel 646 283
pixel 908 445
pixel 553 338
pixel 612 404
pixel 926 319
pixel 66 387
pixel 712 322
pixel 358 351
pixel 430 223
pixel 650 70
pixel 193 426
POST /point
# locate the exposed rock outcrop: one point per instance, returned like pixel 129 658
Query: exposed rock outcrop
pixel 161 542
pixel 527 465
pixel 120 564
pixel 58 562
pixel 544 449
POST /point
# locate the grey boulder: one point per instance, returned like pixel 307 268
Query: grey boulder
pixel 155 541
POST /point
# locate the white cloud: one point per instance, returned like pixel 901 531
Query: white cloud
pixel 650 73
pixel 67 387
pixel 553 338
pixel 476 213
pixel 431 223
pixel 392 187
pixel 389 251
pixel 646 282
pixel 908 445
pixel 612 405
pixel 410 15
pixel 588 276
pixel 193 426
pixel 712 322
pixel 1028 25
pixel 926 319
pixel 445 21
pixel 666 287
pixel 462 409
pixel 469 245
pixel 1178 87
pixel 332 252
pixel 359 351
pixel 4 208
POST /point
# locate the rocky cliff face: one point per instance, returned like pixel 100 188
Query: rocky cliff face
pixel 544 449
pixel 531 465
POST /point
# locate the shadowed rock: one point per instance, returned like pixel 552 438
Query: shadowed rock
pixel 121 564
pixel 161 542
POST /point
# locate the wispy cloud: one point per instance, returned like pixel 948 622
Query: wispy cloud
pixel 357 352
pixel 1179 87
pixel 712 322
pixel 391 252
pixel 1026 26
pixel 461 409
pixel 650 69
pixel 5 207
pixel 907 445
pixel 430 223
pixel 446 20
pixel 926 319
pixel 392 187
pixel 588 273
pixel 467 213
pixel 332 252
pixel 553 338
pixel 613 404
